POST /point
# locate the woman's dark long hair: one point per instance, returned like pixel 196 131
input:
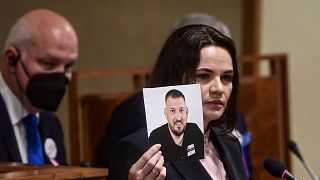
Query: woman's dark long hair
pixel 180 56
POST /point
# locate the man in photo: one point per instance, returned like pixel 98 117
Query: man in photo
pixel 179 140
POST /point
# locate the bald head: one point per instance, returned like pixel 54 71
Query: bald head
pixel 39 26
pixel 40 42
pixel 201 18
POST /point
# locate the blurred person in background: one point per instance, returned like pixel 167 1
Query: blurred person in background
pixel 40 50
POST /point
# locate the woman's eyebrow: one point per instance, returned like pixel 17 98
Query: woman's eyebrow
pixel 229 71
pixel 205 70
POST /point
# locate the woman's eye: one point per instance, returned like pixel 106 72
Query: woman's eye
pixel 202 76
pixel 227 78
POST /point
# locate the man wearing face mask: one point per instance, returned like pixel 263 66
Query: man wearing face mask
pixel 39 52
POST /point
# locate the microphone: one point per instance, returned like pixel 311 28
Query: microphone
pixel 277 168
pixel 295 150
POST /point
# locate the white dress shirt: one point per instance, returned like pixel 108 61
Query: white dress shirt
pixel 16 113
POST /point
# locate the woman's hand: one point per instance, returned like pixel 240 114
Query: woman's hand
pixel 149 166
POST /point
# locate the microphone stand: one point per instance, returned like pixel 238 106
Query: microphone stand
pixel 294 148
pixel 309 170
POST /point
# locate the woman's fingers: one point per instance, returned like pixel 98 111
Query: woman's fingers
pixel 154 167
pixel 162 174
pixel 147 156
pixel 151 159
pixel 150 165
pixel 158 167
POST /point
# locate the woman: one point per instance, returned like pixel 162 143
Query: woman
pixel 192 54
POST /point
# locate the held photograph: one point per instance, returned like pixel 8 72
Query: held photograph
pixel 174 120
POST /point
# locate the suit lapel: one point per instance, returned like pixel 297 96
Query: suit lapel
pixel 7 133
pixel 188 170
pixel 50 128
pixel 230 153
pixel 42 131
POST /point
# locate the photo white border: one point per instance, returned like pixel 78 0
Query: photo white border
pixel 154 102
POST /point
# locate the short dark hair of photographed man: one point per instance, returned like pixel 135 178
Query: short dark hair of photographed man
pixel 179 140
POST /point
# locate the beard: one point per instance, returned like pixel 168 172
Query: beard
pixel 178 131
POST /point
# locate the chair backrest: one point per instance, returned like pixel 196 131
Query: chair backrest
pixel 263 99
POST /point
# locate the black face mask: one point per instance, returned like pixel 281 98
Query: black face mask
pixel 46 91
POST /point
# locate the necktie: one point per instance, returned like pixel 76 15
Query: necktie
pixel 34 149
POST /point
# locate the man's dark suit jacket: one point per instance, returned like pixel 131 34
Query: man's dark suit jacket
pixel 192 146
pixel 130 149
pixel 49 127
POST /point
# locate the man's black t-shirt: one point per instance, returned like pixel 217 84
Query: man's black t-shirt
pixel 192 147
